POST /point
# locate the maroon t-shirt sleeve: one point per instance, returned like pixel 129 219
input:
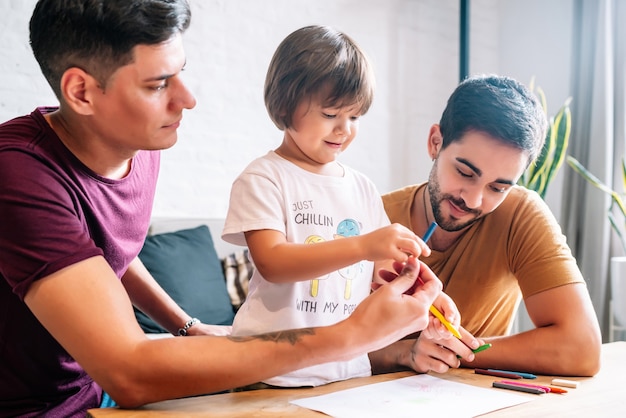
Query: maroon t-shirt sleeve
pixel 43 226
pixel 56 212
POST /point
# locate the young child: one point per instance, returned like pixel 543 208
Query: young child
pixel 316 229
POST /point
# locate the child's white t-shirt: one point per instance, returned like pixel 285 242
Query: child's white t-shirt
pixel 273 193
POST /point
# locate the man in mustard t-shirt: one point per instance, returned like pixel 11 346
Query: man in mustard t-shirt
pixel 497 242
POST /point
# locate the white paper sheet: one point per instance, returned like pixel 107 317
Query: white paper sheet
pixel 414 396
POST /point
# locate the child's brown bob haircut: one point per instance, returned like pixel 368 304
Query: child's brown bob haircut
pixel 315 59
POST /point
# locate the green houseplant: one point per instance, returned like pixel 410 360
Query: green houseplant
pixel 617 199
pixel 617 316
pixel 540 173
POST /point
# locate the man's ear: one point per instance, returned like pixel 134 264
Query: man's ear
pixel 435 141
pixel 78 89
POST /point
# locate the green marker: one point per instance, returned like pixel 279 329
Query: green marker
pixel 482 348
pixel 479 349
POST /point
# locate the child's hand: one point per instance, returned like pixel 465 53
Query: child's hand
pixel 207 329
pixel 395 242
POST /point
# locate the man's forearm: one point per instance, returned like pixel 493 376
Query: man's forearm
pixel 544 350
pixel 148 296
pixel 177 370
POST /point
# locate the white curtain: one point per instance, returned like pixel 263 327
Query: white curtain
pixel 598 136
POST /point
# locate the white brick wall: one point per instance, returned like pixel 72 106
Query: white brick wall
pixel 414 48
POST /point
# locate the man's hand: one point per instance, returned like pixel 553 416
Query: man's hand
pixel 440 354
pixel 436 348
pixel 389 313
pixel 445 305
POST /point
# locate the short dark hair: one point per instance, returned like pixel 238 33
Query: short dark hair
pixel 313 58
pixel 499 106
pixel 98 36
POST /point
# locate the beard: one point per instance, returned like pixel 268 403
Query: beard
pixel 437 198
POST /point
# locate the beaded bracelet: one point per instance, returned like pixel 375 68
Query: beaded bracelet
pixel 183 331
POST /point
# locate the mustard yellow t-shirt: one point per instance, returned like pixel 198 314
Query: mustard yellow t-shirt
pixel 516 250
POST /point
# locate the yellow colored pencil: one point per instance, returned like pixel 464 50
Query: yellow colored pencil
pixel 445 322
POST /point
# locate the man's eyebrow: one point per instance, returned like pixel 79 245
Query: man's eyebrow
pixel 471 166
pixel 165 76
pixel 479 172
pixel 160 77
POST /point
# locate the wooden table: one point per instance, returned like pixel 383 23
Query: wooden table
pixel 603 395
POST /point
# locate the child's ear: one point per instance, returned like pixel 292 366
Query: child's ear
pixel 78 89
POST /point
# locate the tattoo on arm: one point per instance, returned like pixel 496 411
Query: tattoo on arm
pixel 291 336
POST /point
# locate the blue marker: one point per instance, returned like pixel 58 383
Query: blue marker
pixel 429 231
pixel 524 375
